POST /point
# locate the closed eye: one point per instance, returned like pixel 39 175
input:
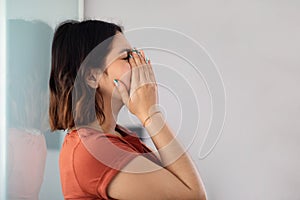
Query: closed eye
pixel 127 56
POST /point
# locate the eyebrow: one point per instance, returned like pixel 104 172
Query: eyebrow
pixel 125 50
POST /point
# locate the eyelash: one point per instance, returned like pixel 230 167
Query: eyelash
pixel 127 57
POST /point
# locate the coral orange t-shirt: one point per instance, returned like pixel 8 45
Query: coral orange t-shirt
pixel 89 160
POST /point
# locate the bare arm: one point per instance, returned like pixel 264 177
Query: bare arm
pixel 142 178
pixel 173 156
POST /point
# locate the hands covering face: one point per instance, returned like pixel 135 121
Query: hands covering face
pixel 142 96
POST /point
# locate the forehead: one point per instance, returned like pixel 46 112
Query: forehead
pixel 118 46
pixel 119 41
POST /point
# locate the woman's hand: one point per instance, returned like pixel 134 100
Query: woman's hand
pixel 143 98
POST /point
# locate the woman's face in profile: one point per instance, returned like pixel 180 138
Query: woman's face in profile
pixel 117 66
pixel 120 69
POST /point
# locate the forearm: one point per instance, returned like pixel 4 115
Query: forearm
pixel 172 154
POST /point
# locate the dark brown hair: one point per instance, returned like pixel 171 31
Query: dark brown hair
pixel 72 43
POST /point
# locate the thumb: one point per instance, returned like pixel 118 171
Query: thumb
pixel 122 91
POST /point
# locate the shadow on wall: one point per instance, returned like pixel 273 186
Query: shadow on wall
pixel 28 70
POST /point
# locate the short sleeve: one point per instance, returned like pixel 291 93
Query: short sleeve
pixel 117 163
pixel 105 156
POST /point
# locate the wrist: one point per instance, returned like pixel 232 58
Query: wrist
pixel 143 117
pixel 147 120
pixel 155 123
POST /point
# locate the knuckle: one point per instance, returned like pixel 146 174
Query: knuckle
pixel 135 55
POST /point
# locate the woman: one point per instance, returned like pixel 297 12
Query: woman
pixel 94 73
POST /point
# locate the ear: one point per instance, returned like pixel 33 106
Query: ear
pixel 93 77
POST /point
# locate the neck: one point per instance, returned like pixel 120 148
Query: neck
pixel 111 110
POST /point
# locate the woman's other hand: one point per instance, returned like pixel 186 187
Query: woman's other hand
pixel 143 98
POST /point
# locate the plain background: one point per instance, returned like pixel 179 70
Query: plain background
pixel 256 46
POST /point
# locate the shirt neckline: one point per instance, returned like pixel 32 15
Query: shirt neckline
pixel 122 130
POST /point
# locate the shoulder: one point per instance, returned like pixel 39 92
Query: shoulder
pixel 108 149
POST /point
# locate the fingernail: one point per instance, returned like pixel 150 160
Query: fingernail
pixel 147 60
pixel 136 51
pixel 116 82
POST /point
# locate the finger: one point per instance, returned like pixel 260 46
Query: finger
pixel 134 70
pixel 144 74
pixel 132 61
pixel 122 91
pixel 135 75
pixel 135 78
pixel 143 57
pixel 147 76
pixel 136 56
pixel 151 73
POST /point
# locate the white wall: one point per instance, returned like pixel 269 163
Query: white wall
pixel 255 45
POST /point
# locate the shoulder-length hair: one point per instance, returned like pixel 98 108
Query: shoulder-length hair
pixel 72 42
